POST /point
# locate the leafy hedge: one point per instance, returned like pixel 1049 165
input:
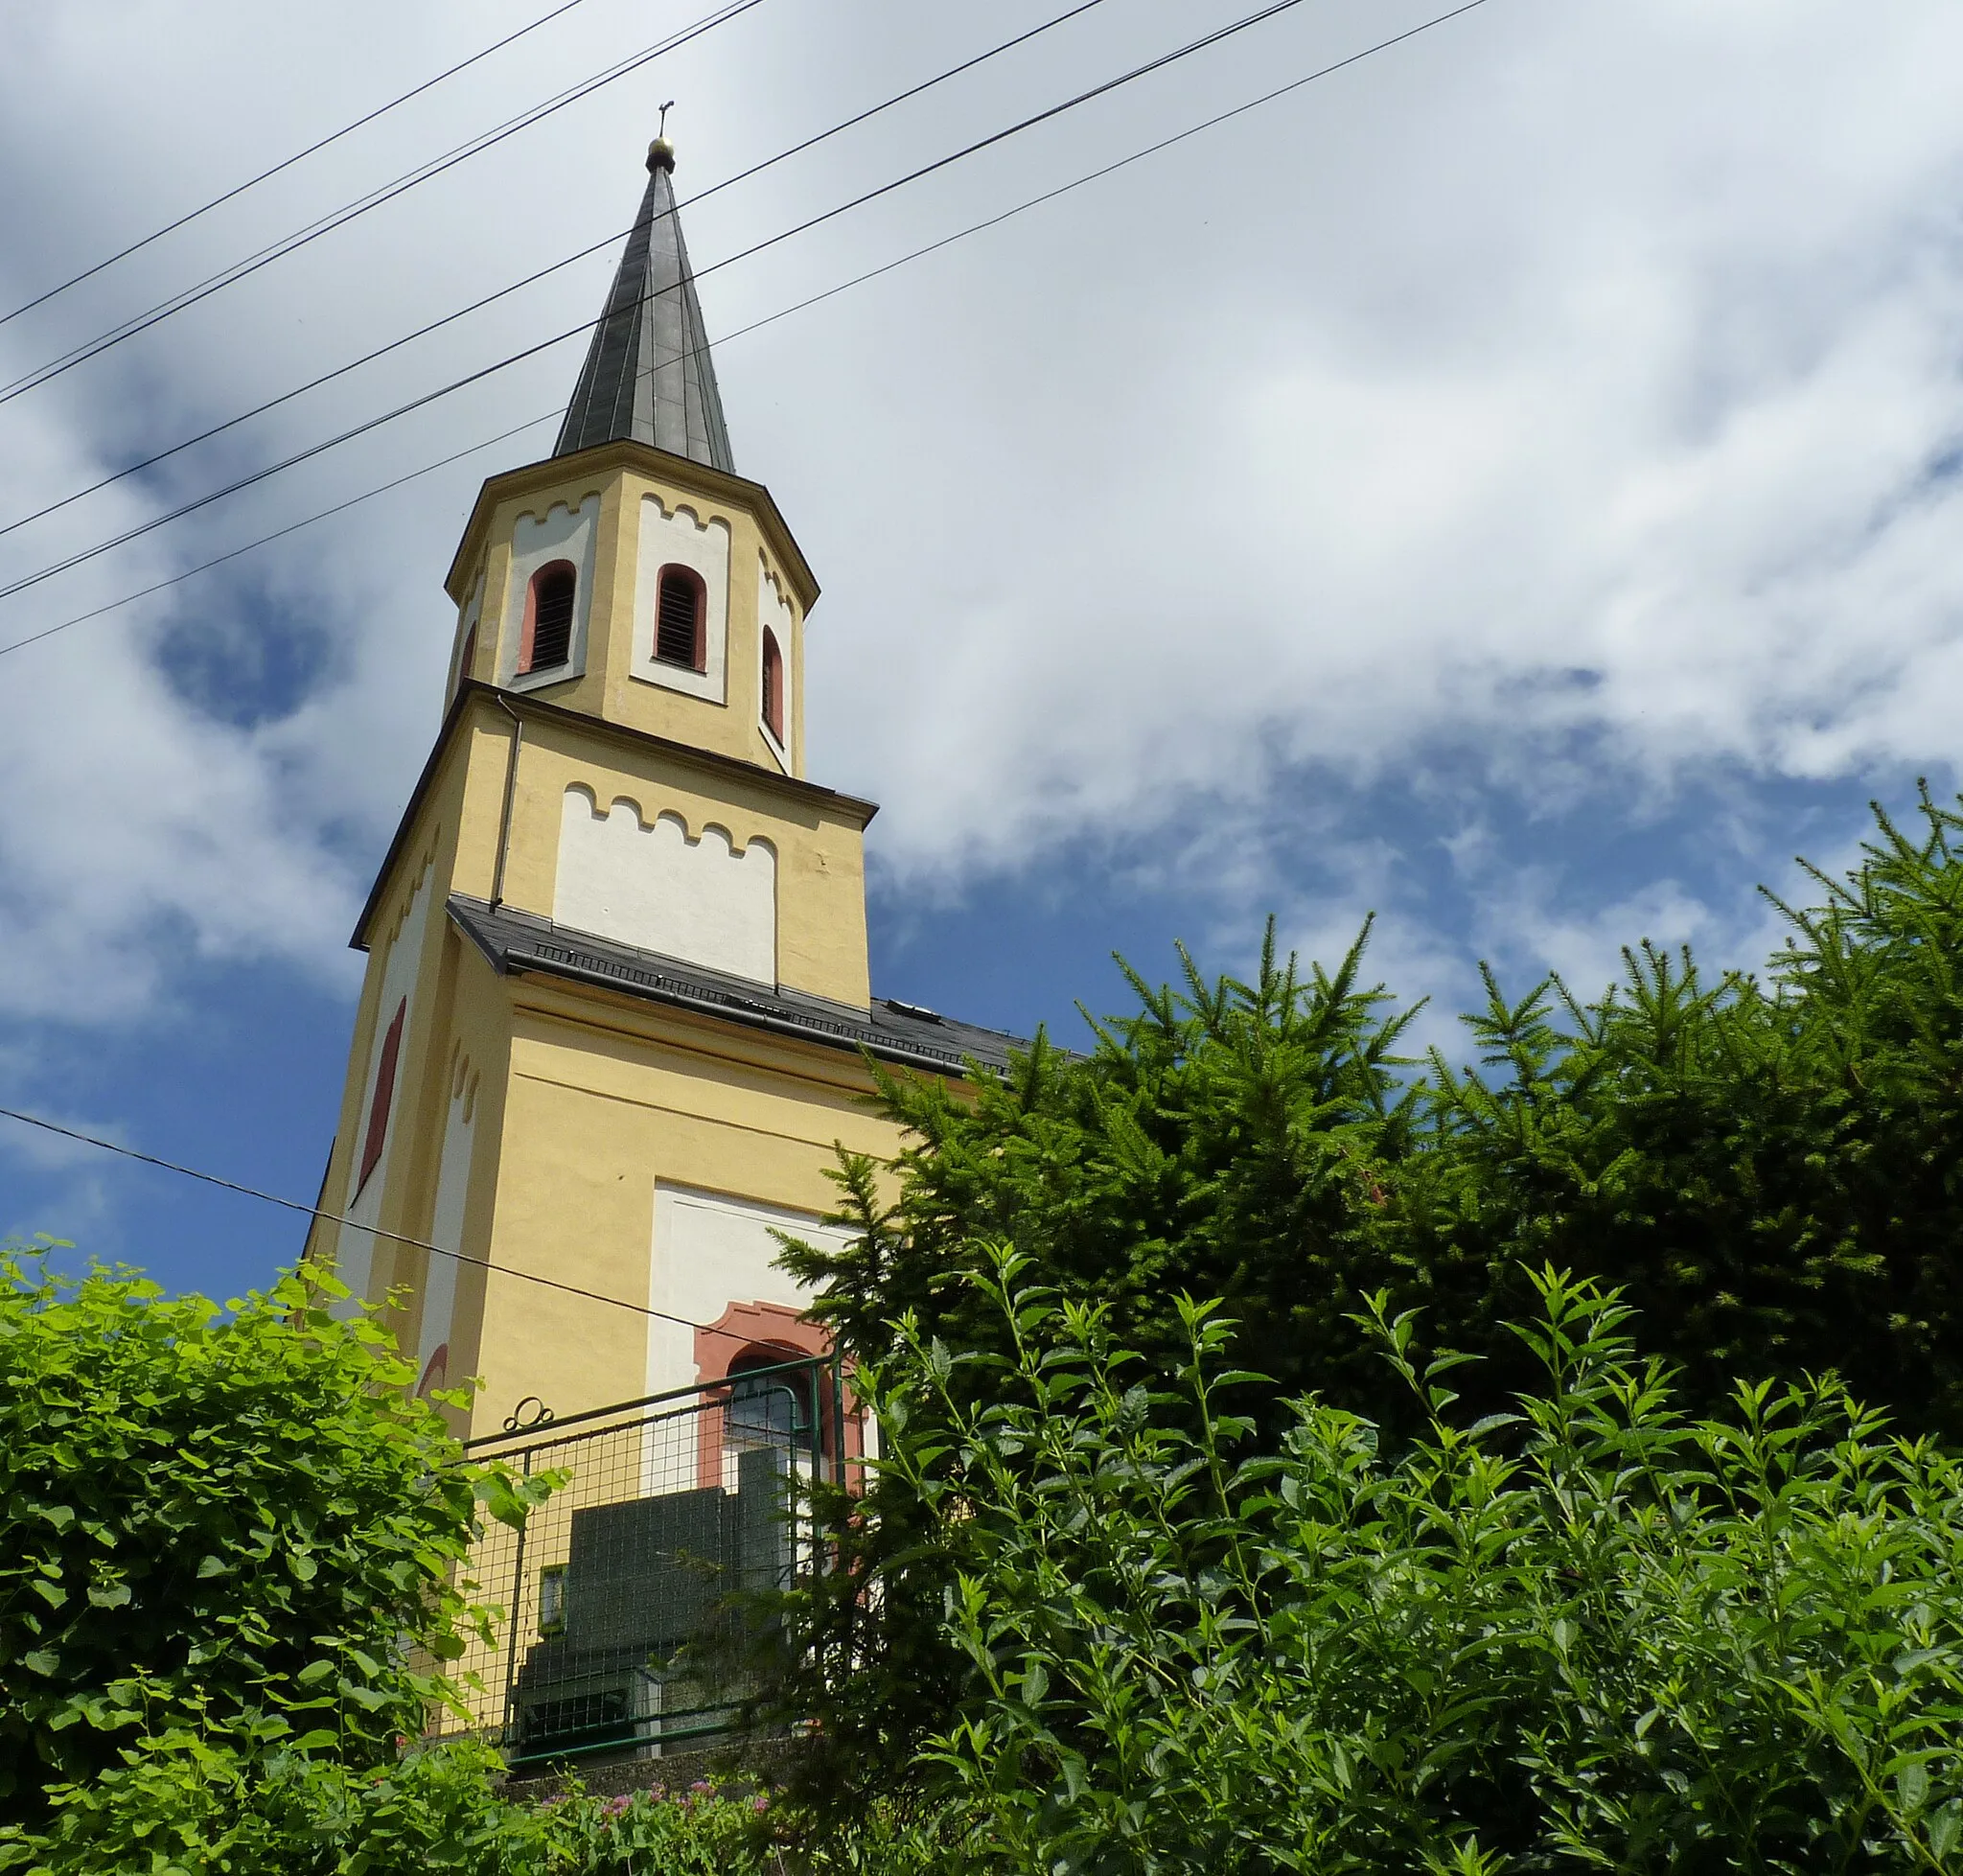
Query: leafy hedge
pixel 233 1555
pixel 239 1516
pixel 1769 1169
pixel 189 1803
pixel 1591 1633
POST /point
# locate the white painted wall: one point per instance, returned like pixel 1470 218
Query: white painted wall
pixel 562 533
pixel 355 1254
pixel 681 538
pixel 447 1226
pixel 711 1250
pixel 700 900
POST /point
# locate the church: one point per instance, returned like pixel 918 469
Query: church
pixel 617 1007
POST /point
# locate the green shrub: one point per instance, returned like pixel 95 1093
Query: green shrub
pixel 185 1804
pixel 1592 1632
pixel 236 1521
pixel 232 1556
pixel 1767 1167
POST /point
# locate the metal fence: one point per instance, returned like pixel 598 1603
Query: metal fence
pixel 621 1613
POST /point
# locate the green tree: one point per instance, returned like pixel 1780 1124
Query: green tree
pixel 1771 1169
pixel 1231 1139
pixel 1766 1167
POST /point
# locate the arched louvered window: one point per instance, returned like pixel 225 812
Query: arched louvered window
pixel 548 640
pixel 681 615
pixel 773 684
pixel 467 660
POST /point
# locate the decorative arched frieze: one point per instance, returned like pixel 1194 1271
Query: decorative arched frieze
pixel 701 898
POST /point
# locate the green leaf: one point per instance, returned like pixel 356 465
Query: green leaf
pixel 1912 1786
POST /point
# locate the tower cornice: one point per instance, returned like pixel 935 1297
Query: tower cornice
pixel 606 459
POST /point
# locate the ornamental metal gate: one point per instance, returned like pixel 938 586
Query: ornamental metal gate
pixel 623 1604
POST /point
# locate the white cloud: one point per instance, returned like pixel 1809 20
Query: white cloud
pixel 1570 390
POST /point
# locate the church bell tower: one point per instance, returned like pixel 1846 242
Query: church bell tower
pixel 617 1014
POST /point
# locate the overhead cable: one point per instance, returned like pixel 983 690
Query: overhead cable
pixel 769 319
pixel 281 533
pixel 395 1237
pixel 375 199
pixel 286 163
pixel 531 279
pixel 1109 86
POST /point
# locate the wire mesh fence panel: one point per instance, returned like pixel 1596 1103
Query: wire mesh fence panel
pixel 622 1615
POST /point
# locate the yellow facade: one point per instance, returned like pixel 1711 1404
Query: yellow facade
pixel 565 1102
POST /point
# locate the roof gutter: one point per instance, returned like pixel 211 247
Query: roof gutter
pixel 760 1019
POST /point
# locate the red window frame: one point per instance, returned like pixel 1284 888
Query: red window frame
pixel 773 684
pixel 531 625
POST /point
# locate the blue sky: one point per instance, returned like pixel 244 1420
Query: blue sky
pixel 1511 486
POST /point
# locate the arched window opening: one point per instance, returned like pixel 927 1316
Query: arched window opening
pixel 680 614
pixel 753 1405
pixel 385 1094
pixel 773 684
pixel 768 1405
pixel 467 660
pixel 548 640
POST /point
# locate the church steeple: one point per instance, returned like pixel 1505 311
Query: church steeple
pixel 648 377
pixel 617 1008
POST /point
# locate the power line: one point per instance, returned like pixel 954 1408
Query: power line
pixel 1165 60
pixel 485 1264
pixel 339 218
pixel 783 312
pixel 395 1237
pixel 1089 176
pixel 298 456
pixel 298 156
pixel 531 279
pixel 281 533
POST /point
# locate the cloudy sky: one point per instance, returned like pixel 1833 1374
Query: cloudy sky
pixel 1511 484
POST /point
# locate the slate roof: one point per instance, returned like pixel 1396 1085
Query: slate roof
pixel 894 1031
pixel 648 376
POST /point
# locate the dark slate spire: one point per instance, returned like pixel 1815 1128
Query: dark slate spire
pixel 648 373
